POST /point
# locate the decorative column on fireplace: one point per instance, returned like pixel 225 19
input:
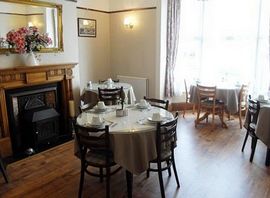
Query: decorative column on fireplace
pixel 34 107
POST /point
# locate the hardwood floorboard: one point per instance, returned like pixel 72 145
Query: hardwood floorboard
pixel 209 163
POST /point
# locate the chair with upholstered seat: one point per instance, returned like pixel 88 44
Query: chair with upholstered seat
pixel 252 117
pixel 164 104
pixel 207 102
pixel 166 136
pixel 94 147
pixel 111 96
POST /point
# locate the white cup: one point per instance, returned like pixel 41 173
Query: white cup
pixel 143 102
pixel 100 105
pixel 261 97
pixel 156 117
pixel 89 84
pixel 110 81
pixel 96 120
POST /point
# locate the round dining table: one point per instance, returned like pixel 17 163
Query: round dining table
pixel 90 93
pixel 229 94
pixel 133 137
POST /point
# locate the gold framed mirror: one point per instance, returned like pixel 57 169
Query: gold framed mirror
pixel 46 16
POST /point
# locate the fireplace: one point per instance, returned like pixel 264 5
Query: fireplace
pixel 34 110
pixel 35 118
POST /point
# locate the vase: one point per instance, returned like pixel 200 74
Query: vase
pixel 29 59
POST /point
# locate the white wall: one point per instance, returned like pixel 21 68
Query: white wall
pixel 133 51
pixel 94 53
pixel 95 4
pixel 128 4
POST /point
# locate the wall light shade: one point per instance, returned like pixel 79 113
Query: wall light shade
pixel 30 24
pixel 128 22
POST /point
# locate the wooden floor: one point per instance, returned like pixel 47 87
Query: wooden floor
pixel 210 164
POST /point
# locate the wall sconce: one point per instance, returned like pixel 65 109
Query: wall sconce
pixel 30 24
pixel 128 22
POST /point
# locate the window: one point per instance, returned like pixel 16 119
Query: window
pixel 224 42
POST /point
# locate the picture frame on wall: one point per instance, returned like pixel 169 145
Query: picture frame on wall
pixel 87 27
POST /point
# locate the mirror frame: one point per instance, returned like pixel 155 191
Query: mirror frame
pixel 59 22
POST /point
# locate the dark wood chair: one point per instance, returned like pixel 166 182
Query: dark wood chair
pixel 164 104
pixel 187 100
pixel 94 147
pixel 114 80
pixel 207 102
pixel 252 117
pixel 88 101
pixel 3 170
pixel 111 96
pixel 165 145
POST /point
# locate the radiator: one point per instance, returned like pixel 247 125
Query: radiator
pixel 140 85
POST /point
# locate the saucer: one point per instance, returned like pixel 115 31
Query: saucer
pixel 162 119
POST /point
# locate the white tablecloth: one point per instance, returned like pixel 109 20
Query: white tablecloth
pixel 133 138
pixel 130 96
pixel 228 95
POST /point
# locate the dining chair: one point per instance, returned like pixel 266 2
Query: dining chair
pixel 242 103
pixel 103 81
pixel 207 102
pixel 111 96
pixel 164 104
pixel 187 99
pixel 94 147
pixel 3 169
pixel 166 137
pixel 88 101
pixel 252 117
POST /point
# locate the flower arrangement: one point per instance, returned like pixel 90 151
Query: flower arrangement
pixel 27 40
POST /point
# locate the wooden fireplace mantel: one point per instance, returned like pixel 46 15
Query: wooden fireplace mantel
pixel 18 77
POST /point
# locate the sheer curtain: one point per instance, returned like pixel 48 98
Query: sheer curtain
pixel 224 42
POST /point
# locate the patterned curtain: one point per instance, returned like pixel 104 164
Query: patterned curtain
pixel 173 27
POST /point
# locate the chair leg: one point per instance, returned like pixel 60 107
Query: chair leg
pixel 253 148
pixel 101 174
pixel 193 108
pixel 108 191
pixel 3 170
pixel 198 116
pixel 240 119
pixel 81 180
pixel 245 141
pixel 169 167
pixel 185 106
pixel 213 120
pixel 161 180
pixel 267 159
pixel 175 171
pixel 148 171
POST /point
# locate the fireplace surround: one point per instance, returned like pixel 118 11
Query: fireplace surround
pixel 34 101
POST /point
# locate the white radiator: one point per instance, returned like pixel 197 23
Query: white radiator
pixel 140 85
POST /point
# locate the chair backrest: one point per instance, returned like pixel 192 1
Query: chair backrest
pixel 242 99
pixel 164 104
pixel 253 111
pixel 206 93
pixel 93 139
pixel 166 137
pixel 111 96
pixel 87 101
pixel 103 81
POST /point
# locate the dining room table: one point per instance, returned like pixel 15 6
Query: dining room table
pixel 133 137
pixel 90 92
pixel 226 92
